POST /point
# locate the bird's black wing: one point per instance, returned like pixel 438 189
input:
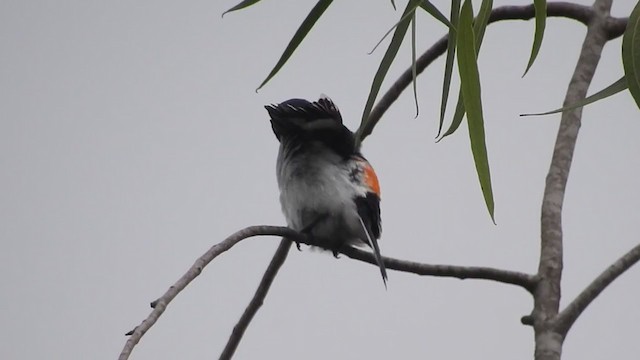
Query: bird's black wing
pixel 369 211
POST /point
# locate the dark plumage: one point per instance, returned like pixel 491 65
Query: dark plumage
pixel 304 122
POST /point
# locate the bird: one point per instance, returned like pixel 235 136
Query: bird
pixel 328 189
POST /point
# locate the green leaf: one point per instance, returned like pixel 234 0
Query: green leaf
pixel 297 38
pixel 541 21
pixel 458 115
pixel 470 85
pixel 405 16
pixel 241 5
pixel 414 71
pixel 448 66
pixel 427 6
pixel 393 3
pixel 631 53
pixel 433 11
pixel 481 21
pixel 479 26
pixel 366 126
pixel 616 87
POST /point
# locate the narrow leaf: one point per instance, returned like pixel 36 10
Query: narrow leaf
pixel 406 16
pixel 631 53
pixel 448 66
pixel 458 115
pixel 241 5
pixel 616 87
pixel 393 3
pixel 481 21
pixel 541 21
pixel 479 26
pixel 433 11
pixel 471 95
pixel 414 72
pixel 297 38
pixel 365 125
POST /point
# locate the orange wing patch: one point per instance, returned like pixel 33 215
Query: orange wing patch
pixel 371 179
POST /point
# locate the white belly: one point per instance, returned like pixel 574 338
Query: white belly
pixel 318 185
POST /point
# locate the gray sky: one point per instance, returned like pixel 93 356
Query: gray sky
pixel 131 140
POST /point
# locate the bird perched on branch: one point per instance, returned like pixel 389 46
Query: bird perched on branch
pixel 328 190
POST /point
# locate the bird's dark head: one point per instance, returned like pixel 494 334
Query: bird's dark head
pixel 299 116
pixel 299 121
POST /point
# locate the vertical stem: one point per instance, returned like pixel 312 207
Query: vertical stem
pixel 547 294
pixel 258 298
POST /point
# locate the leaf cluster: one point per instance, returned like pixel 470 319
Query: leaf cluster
pixel 465 35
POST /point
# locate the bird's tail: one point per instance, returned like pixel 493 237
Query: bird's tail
pixel 376 252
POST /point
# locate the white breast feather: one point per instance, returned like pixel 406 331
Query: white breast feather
pixel 317 180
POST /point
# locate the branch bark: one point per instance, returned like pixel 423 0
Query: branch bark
pixel 258 298
pixel 570 314
pixel 615 28
pixel 523 280
pixel 547 294
pixel 160 305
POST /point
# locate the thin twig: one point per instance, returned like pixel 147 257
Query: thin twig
pixel 548 345
pixel 524 280
pixel 161 303
pixel 576 12
pixel 570 314
pixel 258 298
pixel 462 272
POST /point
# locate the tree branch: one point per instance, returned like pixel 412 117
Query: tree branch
pixel 161 303
pixel 547 294
pixel 569 10
pixel 616 27
pixel 581 13
pixel 524 280
pixel 159 306
pixel 258 298
pixel 570 314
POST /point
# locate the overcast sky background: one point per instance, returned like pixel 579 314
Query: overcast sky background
pixel 131 140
